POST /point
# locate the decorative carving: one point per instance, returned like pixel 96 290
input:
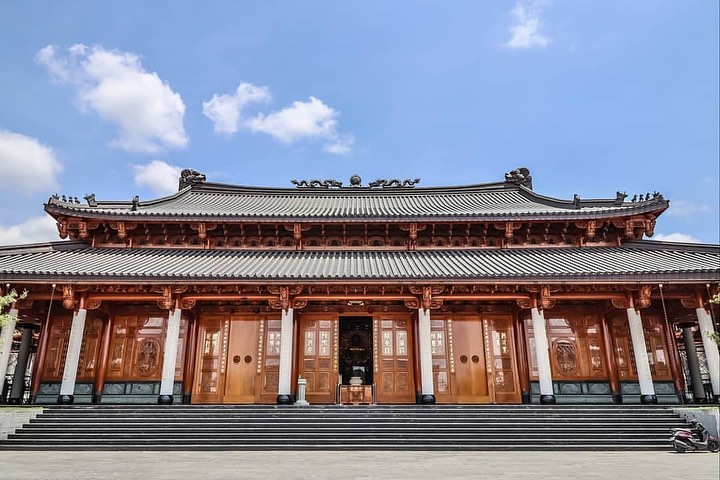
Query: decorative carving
pixel 629 229
pixel 69 301
pixel 412 304
pixel 82 230
pixel 643 297
pixel 427 292
pixel 619 198
pixel 202 229
pixel 545 301
pixel 519 176
pixel 394 183
pixel 576 200
pixel 299 304
pixel 167 302
pixel 62 229
pixel 186 304
pixel 689 303
pixel 92 303
pixel 284 294
pixel 524 303
pixel 590 232
pixel 330 183
pixel 189 177
pixel 146 363
pixel 565 355
pixel 622 303
pixel 650 226
pixel 135 203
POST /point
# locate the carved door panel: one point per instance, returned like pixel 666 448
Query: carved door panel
pixel 318 359
pixel 443 365
pixel 393 361
pixel 470 368
pixel 268 365
pixel 500 357
pixel 242 361
pixel 210 363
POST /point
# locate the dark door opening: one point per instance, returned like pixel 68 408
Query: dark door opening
pixel 356 349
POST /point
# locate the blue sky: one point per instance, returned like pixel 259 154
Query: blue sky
pixel 113 98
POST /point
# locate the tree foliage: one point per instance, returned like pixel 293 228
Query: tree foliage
pixel 714 336
pixel 7 300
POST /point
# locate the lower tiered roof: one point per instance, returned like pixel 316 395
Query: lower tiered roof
pixel 636 261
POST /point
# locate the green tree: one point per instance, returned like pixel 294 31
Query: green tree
pixel 7 300
pixel 714 336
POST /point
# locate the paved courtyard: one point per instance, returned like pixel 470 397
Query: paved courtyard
pixel 357 465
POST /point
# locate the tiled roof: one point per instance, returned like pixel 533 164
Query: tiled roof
pixel 636 261
pixel 495 201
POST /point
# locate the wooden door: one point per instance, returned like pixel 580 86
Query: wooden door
pixel 227 366
pixel 500 358
pixel 471 383
pixel 242 361
pixel 318 358
pixel 211 359
pixel 393 360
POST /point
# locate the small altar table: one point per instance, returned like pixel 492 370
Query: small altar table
pixel 356 394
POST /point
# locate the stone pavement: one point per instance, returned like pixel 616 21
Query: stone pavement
pixel 15 465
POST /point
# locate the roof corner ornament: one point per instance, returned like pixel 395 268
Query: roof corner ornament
pixel 315 183
pixel 576 200
pixel 394 183
pixel 619 198
pixel 90 199
pixel 189 177
pixel 135 203
pixel 656 196
pixel 519 176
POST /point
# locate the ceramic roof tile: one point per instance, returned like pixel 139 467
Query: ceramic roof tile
pixel 493 201
pixel 637 261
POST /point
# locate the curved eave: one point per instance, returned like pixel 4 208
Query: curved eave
pixel 558 210
pixel 639 262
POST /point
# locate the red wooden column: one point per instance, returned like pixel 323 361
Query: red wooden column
pixel 190 352
pixel 99 385
pixel 40 357
pixel 522 358
pixel 610 360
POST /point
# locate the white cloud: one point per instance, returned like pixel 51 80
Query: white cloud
pixel 32 230
pixel 146 111
pixel 312 119
pixel 525 32
pixel 161 177
pixel 341 145
pixel 225 110
pixel 676 237
pixel 28 165
pixel 686 210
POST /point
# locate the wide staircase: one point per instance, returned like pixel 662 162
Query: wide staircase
pixel 387 427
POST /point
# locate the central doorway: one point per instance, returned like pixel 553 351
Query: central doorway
pixel 356 350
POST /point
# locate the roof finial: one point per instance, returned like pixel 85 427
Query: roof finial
pixel 519 176
pixel 190 177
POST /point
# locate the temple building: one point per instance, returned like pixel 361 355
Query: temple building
pixel 385 292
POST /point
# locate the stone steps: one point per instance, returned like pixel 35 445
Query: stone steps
pixel 385 427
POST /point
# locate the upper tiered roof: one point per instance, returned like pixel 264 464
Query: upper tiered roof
pixel 382 200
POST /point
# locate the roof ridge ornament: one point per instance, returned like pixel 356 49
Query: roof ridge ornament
pixel 316 183
pixel 356 182
pixel 189 177
pixel 394 183
pixel 519 176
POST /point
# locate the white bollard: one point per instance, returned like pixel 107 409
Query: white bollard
pixel 302 384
